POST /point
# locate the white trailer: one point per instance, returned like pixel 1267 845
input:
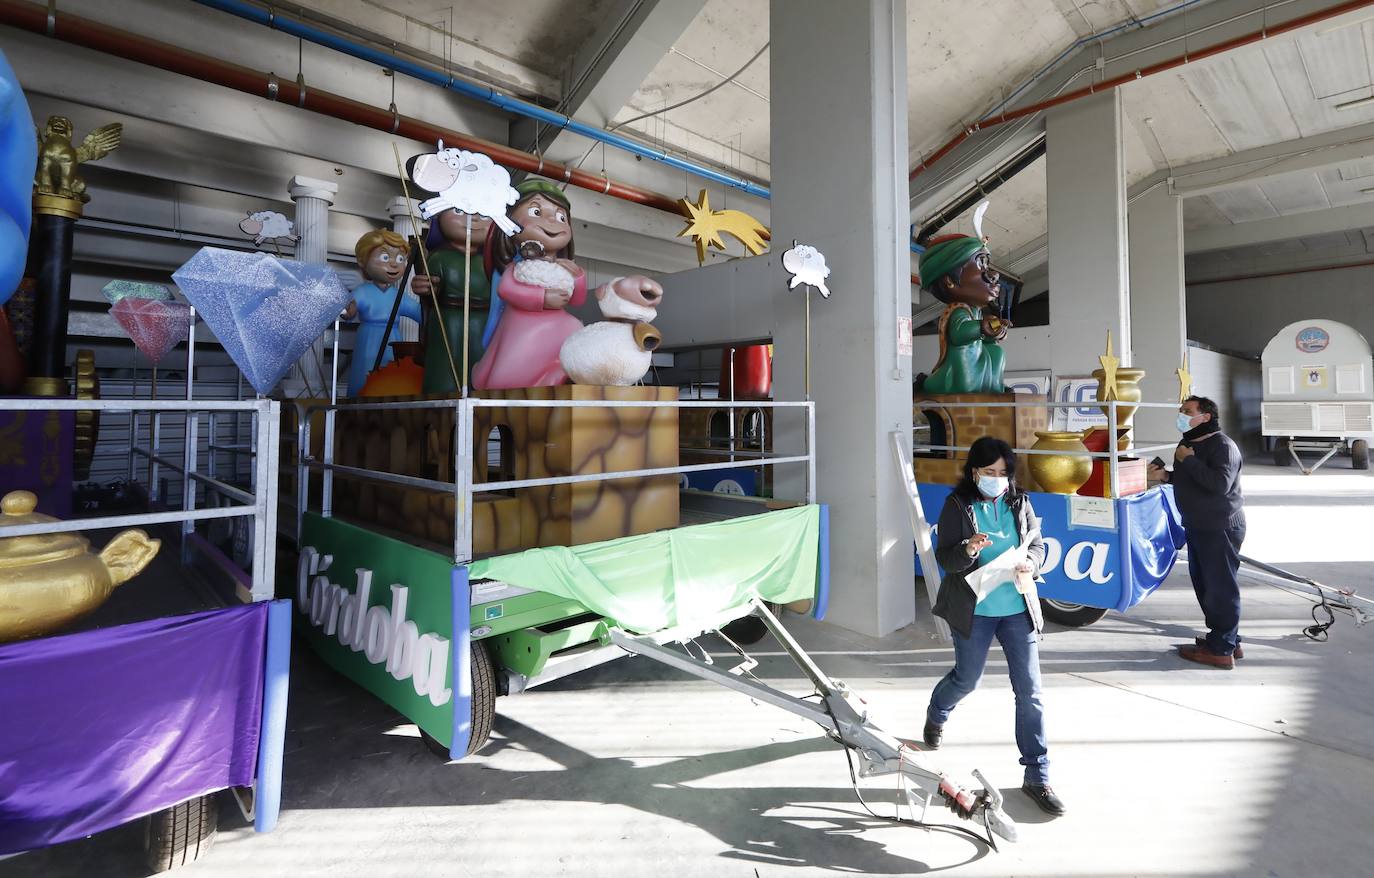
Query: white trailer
pixel 1318 393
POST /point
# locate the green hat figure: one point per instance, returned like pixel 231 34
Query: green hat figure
pixel 957 270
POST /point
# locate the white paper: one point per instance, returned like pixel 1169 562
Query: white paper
pixel 1092 512
pixel 1000 569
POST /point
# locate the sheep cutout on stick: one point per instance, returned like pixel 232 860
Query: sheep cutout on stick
pixel 619 349
pixel 807 266
pixel 468 182
pixel 268 225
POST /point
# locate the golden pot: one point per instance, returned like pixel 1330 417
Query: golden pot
pixel 1127 391
pixel 1060 473
pixel 49 580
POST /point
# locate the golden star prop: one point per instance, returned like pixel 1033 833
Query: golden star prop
pixel 1109 364
pixel 705 225
pixel 1185 381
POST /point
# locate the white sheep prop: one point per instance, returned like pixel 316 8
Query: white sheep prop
pixel 465 181
pixel 619 349
pixel 267 225
pixel 807 266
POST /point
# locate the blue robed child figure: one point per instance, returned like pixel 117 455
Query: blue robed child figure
pixel 382 255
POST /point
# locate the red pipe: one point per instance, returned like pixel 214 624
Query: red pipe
pixel 1177 61
pixel 102 38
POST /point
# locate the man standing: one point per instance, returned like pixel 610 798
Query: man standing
pixel 1206 480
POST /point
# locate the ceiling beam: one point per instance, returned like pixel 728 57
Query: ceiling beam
pixel 609 68
pixel 1282 228
pixel 1267 162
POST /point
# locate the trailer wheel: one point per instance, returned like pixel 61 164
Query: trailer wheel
pixel 1072 615
pixel 483 705
pixel 1281 455
pixel 181 834
pixel 748 630
pixel 1359 454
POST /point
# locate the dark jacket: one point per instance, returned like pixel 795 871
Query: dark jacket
pixel 1207 485
pixel 956 599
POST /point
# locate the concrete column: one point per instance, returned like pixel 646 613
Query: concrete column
pixel 403 223
pixel 1089 287
pixel 839 153
pixel 1159 316
pixel 312 198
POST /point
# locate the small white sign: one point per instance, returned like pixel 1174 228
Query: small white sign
pixel 904 346
pixel 1092 512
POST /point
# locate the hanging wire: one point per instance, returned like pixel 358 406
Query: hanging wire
pixel 724 82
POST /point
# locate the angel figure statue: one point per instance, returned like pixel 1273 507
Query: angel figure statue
pixel 58 159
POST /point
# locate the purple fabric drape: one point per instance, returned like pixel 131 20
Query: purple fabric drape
pixel 101 727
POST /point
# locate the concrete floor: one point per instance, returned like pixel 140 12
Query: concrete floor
pixel 632 769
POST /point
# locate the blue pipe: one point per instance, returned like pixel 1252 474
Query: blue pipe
pixel 477 92
pixel 481 93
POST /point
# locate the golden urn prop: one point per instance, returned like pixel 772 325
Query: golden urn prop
pixel 1060 473
pixel 50 580
pixel 1115 382
pixel 1127 394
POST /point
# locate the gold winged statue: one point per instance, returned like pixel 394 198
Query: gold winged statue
pixel 58 160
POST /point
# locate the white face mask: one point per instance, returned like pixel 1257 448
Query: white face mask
pixel 993 486
pixel 1185 423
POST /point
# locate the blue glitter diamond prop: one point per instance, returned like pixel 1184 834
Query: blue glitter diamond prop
pixel 265 311
pixel 131 289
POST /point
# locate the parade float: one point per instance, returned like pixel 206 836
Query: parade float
pixel 456 547
pixel 149 670
pixel 1110 538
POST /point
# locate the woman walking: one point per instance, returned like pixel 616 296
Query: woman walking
pixel 985 516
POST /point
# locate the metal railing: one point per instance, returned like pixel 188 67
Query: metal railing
pixel 464 485
pixel 1112 455
pixel 260 503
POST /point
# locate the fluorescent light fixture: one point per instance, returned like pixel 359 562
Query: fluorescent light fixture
pixel 1332 28
pixel 1358 102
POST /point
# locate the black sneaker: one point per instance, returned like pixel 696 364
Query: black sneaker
pixel 1043 796
pixel 933 735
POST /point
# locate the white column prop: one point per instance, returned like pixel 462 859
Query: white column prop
pixel 402 223
pixel 313 198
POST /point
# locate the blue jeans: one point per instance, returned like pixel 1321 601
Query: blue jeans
pixel 1017 636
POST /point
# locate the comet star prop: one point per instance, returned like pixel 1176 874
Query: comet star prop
pixel 705 225
pixel 1109 364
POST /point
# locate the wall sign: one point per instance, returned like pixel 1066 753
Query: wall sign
pixel 380 612
pixel 1313 339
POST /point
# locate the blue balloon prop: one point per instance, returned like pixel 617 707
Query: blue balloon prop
pixel 18 159
pixel 265 311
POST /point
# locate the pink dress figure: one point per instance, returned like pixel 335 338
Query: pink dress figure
pixel 524 349
pixel 538 279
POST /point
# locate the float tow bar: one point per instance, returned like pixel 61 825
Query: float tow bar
pixel 844 717
pixel 1321 595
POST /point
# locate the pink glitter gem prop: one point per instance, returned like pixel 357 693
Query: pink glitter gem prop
pixel 155 326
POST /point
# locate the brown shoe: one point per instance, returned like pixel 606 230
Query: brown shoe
pixel 1237 653
pixel 1204 656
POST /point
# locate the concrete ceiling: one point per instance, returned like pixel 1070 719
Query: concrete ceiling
pixel 608 61
pixel 965 58
pixel 1284 90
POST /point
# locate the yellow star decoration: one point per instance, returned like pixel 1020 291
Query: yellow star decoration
pixel 1185 381
pixel 1109 364
pixel 704 226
